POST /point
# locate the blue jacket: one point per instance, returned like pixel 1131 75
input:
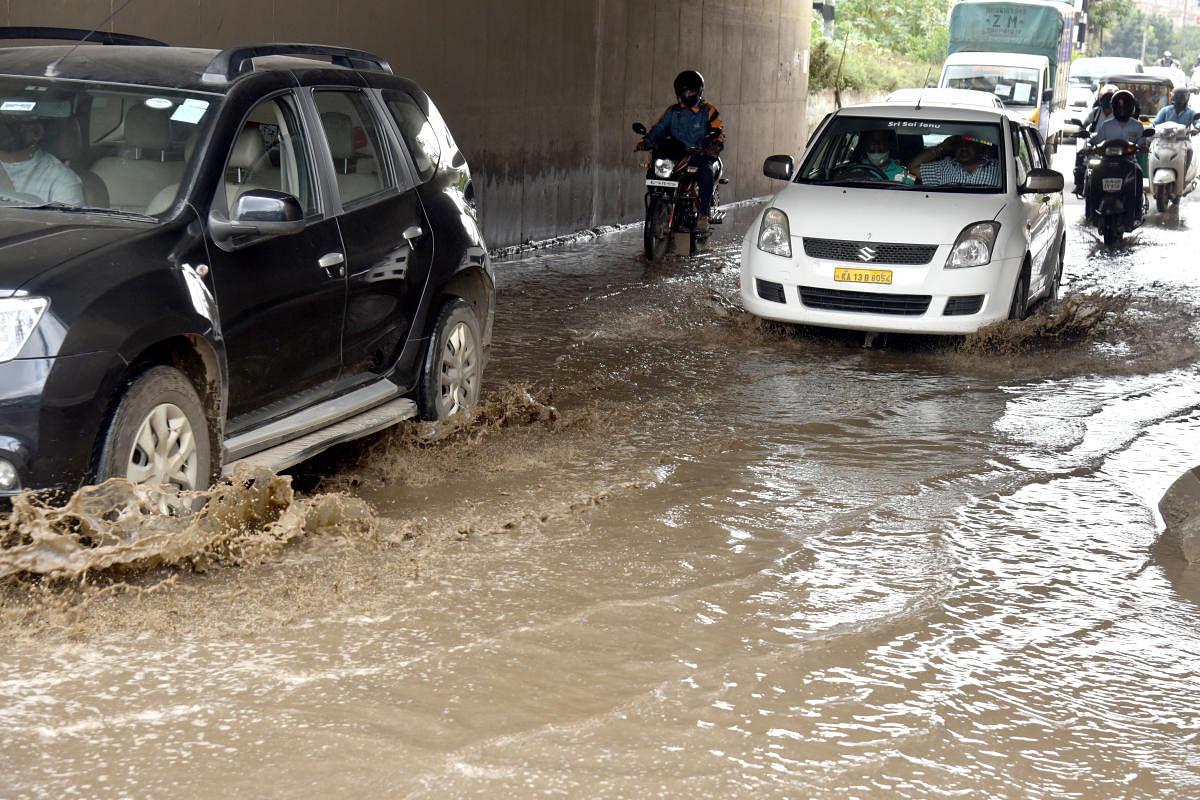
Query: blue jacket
pixel 1169 114
pixel 687 124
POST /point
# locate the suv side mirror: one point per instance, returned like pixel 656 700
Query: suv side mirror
pixel 1048 96
pixel 1042 181
pixel 778 167
pixel 259 212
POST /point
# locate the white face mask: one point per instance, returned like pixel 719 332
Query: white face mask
pixel 879 159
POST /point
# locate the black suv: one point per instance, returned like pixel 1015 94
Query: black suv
pixel 217 257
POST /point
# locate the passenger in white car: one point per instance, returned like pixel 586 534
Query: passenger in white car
pixel 959 160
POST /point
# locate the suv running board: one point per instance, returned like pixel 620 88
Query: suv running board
pixel 291 453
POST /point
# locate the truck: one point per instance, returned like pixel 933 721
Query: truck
pixel 1013 49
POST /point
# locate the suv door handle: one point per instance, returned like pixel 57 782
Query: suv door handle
pixel 330 260
pixel 412 233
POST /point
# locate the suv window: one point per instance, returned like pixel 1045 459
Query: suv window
pixel 355 144
pixel 418 133
pixel 270 153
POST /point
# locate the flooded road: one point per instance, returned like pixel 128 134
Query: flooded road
pixel 680 554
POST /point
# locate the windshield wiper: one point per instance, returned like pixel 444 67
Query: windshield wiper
pixel 114 212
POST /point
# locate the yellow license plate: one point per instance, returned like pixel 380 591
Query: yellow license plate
pixel 862 275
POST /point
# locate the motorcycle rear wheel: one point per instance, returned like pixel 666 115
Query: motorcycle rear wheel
pixel 657 231
pixel 1161 197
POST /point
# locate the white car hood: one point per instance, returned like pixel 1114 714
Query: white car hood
pixel 910 216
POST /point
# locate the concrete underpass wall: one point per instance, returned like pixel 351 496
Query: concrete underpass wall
pixel 539 94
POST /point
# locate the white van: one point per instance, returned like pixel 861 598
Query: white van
pixel 865 244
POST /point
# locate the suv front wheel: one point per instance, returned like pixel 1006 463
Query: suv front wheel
pixel 158 434
pixel 453 366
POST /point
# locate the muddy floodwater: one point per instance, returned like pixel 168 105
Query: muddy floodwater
pixel 678 553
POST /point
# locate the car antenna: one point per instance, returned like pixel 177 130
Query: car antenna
pixel 52 68
pixel 928 73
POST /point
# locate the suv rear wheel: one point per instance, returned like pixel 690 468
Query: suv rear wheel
pixel 453 367
pixel 158 434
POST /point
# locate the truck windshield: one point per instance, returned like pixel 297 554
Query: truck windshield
pixel 877 153
pixel 1016 86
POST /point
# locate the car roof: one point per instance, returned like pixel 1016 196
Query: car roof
pixel 935 111
pixel 160 67
pixel 948 96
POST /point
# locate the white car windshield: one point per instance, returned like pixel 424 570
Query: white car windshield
pixel 878 152
pixel 1013 85
pixel 94 146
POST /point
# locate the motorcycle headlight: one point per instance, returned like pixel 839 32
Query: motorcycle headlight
pixel 663 167
pixel 774 235
pixel 973 248
pixel 18 317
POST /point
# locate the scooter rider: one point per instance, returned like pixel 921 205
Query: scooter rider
pixel 1123 125
pixel 690 121
pixel 1101 112
pixel 1178 110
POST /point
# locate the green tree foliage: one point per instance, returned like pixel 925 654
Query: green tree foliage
pixel 1105 14
pixel 1125 37
pixel 916 28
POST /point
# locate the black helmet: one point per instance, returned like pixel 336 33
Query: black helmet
pixel 1123 105
pixel 1180 96
pixel 689 79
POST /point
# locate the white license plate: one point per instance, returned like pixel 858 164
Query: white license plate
pixel 664 184
pixel 1112 184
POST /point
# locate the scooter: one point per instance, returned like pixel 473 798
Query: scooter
pixel 1113 198
pixel 673 199
pixel 1173 170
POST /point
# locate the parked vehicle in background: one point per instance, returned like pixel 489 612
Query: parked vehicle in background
pixel 277 250
pixel 1013 48
pixel 848 244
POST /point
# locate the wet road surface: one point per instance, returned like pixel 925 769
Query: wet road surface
pixel 679 554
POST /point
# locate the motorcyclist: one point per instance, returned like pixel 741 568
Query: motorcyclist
pixel 696 124
pixel 1101 112
pixel 1123 125
pixel 1167 60
pixel 1178 110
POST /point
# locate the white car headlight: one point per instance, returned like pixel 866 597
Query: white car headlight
pixel 18 317
pixel 774 235
pixel 973 247
pixel 663 167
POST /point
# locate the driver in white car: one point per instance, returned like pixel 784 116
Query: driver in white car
pixel 28 170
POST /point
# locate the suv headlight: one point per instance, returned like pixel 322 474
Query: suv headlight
pixel 663 167
pixel 18 317
pixel 774 235
pixel 973 248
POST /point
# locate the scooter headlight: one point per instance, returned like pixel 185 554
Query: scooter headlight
pixel 663 167
pixel 1115 150
pixel 973 248
pixel 774 235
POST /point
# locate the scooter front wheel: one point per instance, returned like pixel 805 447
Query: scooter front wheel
pixel 1162 197
pixel 657 231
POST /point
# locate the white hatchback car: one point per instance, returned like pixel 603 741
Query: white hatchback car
pixel 849 243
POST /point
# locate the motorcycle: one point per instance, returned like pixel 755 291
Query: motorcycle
pixel 1112 195
pixel 1173 171
pixel 673 197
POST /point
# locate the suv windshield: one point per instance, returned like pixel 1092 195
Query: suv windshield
pixel 876 152
pixel 97 146
pixel 1016 86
